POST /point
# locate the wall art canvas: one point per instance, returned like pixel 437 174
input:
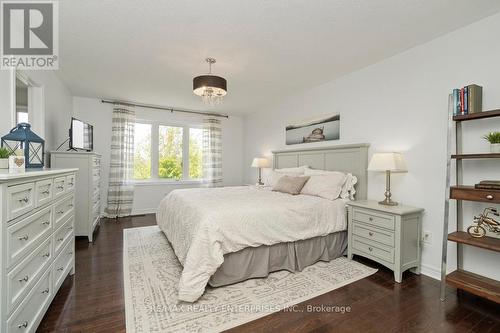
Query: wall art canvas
pixel 324 128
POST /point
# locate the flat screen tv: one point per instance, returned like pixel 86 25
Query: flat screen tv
pixel 81 135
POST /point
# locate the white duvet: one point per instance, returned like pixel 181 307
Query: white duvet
pixel 204 224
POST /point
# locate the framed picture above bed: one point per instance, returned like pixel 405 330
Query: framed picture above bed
pixel 324 128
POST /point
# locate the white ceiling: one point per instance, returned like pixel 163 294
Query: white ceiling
pixel 148 51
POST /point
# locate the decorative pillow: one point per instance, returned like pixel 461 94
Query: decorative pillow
pixel 328 186
pixel 276 174
pixel 290 184
pixel 348 189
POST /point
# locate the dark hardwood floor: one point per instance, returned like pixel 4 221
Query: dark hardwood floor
pixel 92 300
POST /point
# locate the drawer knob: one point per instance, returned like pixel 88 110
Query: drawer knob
pixel 70 205
pixel 46 255
pixel 24 279
pixel 370 248
pixel 46 192
pixel 60 268
pixel 23 325
pixel 46 291
pixel 25 200
pixel 489 197
pixel 60 239
pixel 370 219
pixel 60 212
pixel 71 184
pixel 370 233
pixel 70 228
pixel 24 238
pixel 70 253
pixel 46 223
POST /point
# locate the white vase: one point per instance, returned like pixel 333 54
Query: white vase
pixel 4 163
pixel 495 148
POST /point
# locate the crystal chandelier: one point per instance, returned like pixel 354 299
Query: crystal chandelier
pixel 210 88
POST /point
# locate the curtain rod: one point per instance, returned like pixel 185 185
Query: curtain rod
pixel 211 114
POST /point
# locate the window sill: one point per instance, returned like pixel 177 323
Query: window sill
pixel 159 182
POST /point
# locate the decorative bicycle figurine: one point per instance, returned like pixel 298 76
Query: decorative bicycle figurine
pixel 483 222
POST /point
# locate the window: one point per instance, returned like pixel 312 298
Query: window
pixel 170 152
pixel 142 151
pixel 167 152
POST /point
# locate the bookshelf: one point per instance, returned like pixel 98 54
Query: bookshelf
pixel 460 278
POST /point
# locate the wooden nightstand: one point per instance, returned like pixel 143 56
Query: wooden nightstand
pixel 385 234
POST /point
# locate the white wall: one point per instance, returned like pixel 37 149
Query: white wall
pixel 58 105
pixel 147 197
pixel 400 104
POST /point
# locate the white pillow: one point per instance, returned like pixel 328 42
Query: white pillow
pixel 328 186
pixel 348 189
pixel 276 174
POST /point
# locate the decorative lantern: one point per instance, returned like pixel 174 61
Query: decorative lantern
pixel 21 137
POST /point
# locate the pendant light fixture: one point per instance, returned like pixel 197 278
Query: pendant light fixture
pixel 210 88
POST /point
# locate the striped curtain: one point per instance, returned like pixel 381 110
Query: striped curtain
pixel 121 189
pixel 212 152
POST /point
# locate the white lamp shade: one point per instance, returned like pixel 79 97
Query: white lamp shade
pixel 394 162
pixel 261 162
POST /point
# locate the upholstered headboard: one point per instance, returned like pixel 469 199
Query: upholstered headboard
pixel 352 158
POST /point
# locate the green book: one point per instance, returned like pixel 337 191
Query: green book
pixel 475 100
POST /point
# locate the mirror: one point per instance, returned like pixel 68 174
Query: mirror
pixel 22 115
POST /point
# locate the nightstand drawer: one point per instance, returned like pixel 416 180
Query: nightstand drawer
pixel 378 235
pixel 373 218
pixel 373 249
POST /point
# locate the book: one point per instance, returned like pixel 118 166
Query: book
pixel 456 102
pixel 466 100
pixel 462 101
pixel 475 98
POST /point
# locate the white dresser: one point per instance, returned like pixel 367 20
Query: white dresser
pixel 37 243
pixel 88 192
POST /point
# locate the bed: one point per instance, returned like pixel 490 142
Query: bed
pixel 227 235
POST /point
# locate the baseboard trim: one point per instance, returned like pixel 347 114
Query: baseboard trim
pixel 431 272
pixel 144 211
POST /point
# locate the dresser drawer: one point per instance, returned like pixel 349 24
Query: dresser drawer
pixel 23 276
pixel 374 249
pixel 43 192
pixel 23 236
pixel 62 210
pixel 70 183
pixel 28 315
pixel 373 218
pixel 470 193
pixel 62 235
pixel 63 263
pixel 59 186
pixel 20 199
pixel 379 235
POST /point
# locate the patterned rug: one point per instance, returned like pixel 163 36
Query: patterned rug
pixel 152 272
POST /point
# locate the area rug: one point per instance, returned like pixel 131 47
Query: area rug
pixel 152 273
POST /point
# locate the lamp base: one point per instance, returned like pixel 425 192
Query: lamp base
pixel 388 202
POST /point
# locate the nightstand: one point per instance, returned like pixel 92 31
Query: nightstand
pixel 389 235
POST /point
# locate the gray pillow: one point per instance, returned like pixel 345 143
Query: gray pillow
pixel 290 184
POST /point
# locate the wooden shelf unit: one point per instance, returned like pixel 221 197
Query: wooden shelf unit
pixel 478 115
pixel 461 279
pixel 475 284
pixel 475 156
pixel 488 243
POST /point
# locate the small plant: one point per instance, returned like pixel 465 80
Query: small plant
pixel 493 137
pixel 4 152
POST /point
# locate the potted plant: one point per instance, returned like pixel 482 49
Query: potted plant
pixel 4 158
pixel 494 139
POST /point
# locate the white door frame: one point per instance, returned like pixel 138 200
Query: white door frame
pixel 36 103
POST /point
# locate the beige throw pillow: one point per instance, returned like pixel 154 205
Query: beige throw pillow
pixel 328 186
pixel 290 184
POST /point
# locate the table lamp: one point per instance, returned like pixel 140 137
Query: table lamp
pixel 388 162
pixel 260 162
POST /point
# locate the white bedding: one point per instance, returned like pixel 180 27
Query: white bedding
pixel 204 224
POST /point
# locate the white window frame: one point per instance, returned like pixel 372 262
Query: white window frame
pixel 155 154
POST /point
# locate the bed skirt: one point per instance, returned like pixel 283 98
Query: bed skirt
pixel 258 262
